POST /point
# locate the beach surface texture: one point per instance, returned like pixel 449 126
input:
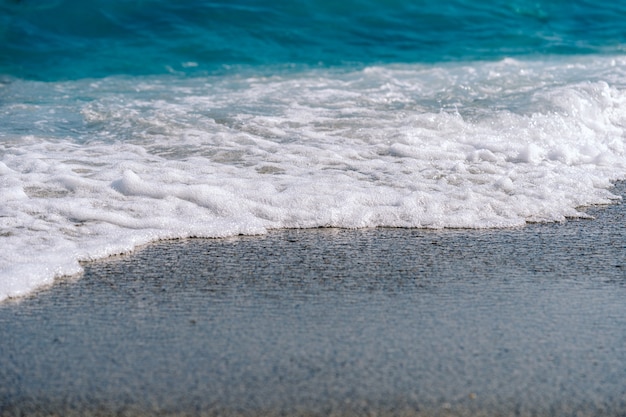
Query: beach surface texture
pixel 400 322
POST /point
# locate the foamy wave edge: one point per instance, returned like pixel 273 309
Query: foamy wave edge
pixel 489 145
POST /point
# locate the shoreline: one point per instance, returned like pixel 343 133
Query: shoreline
pixel 402 322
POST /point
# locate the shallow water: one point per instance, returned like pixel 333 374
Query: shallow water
pixel 123 122
pixel 91 168
pixel 524 321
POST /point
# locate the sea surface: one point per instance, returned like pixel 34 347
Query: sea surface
pixel 124 122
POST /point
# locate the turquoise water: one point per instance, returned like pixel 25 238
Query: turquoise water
pixel 67 39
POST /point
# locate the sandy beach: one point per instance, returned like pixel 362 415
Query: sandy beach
pixel 520 322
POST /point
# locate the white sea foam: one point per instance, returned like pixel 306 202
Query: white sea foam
pixel 91 168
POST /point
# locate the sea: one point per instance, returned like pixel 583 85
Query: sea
pixel 125 122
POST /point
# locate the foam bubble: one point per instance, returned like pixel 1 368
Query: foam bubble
pixel 122 162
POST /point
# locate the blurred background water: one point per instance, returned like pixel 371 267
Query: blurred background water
pixel 61 39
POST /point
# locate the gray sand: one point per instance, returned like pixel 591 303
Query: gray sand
pixel 527 321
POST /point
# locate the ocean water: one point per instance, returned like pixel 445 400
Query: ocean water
pixel 126 122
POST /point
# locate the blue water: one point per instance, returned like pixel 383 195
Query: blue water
pixel 70 39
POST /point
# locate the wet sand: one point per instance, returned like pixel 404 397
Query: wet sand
pixel 519 322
